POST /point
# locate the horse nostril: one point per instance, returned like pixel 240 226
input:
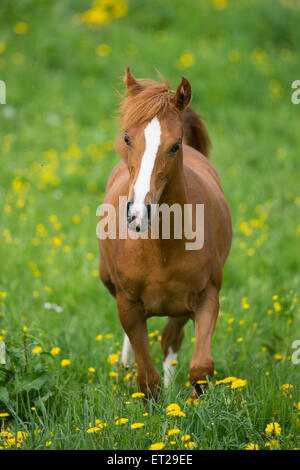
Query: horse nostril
pixel 127 208
pixel 130 218
pixel 149 212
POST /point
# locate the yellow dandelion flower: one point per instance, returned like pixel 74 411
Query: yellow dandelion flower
pixel 173 432
pixel 220 4
pixel 157 446
pixel 173 407
pixel 273 428
pixel 238 383
pixel 286 387
pixel 113 358
pixel 99 338
pixel 252 446
pixel 53 219
pixel 279 357
pixel 65 362
pixel 186 437
pixel 55 351
pixel 190 445
pixel 103 50
pixel 94 430
pixel 56 241
pixel 121 421
pixel 20 28
pixel 137 395
pixel 174 410
pixel 225 381
pixel 187 59
pixel 273 444
pixel 76 219
pixel 37 350
pixel 137 425
pixel 153 333
pixel 277 307
pixel 91 369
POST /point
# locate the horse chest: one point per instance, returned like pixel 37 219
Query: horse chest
pixel 163 286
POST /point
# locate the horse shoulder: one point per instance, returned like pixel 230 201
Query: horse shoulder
pixel 204 187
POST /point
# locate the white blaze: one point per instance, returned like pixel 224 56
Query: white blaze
pixel 142 184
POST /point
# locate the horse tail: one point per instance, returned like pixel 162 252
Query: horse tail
pixel 194 132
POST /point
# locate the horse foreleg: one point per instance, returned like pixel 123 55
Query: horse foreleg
pixel 205 317
pixel 133 320
pixel 172 337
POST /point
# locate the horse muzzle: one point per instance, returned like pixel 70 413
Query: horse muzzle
pixel 138 216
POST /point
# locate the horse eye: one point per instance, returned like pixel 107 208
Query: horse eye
pixel 175 147
pixel 126 138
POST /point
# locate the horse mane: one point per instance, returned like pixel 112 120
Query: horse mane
pixel 153 99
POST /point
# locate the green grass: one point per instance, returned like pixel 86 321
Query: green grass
pixel 56 142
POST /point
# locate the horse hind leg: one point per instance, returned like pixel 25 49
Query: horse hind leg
pixel 172 337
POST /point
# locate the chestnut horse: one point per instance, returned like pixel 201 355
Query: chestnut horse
pixel 161 148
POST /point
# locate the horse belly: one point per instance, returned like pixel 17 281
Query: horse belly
pixel 169 299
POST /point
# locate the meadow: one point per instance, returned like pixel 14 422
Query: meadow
pixel 61 382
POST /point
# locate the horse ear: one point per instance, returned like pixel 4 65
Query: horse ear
pixel 132 85
pixel 183 94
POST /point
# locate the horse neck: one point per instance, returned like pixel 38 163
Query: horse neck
pixel 174 193
pixel 175 190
